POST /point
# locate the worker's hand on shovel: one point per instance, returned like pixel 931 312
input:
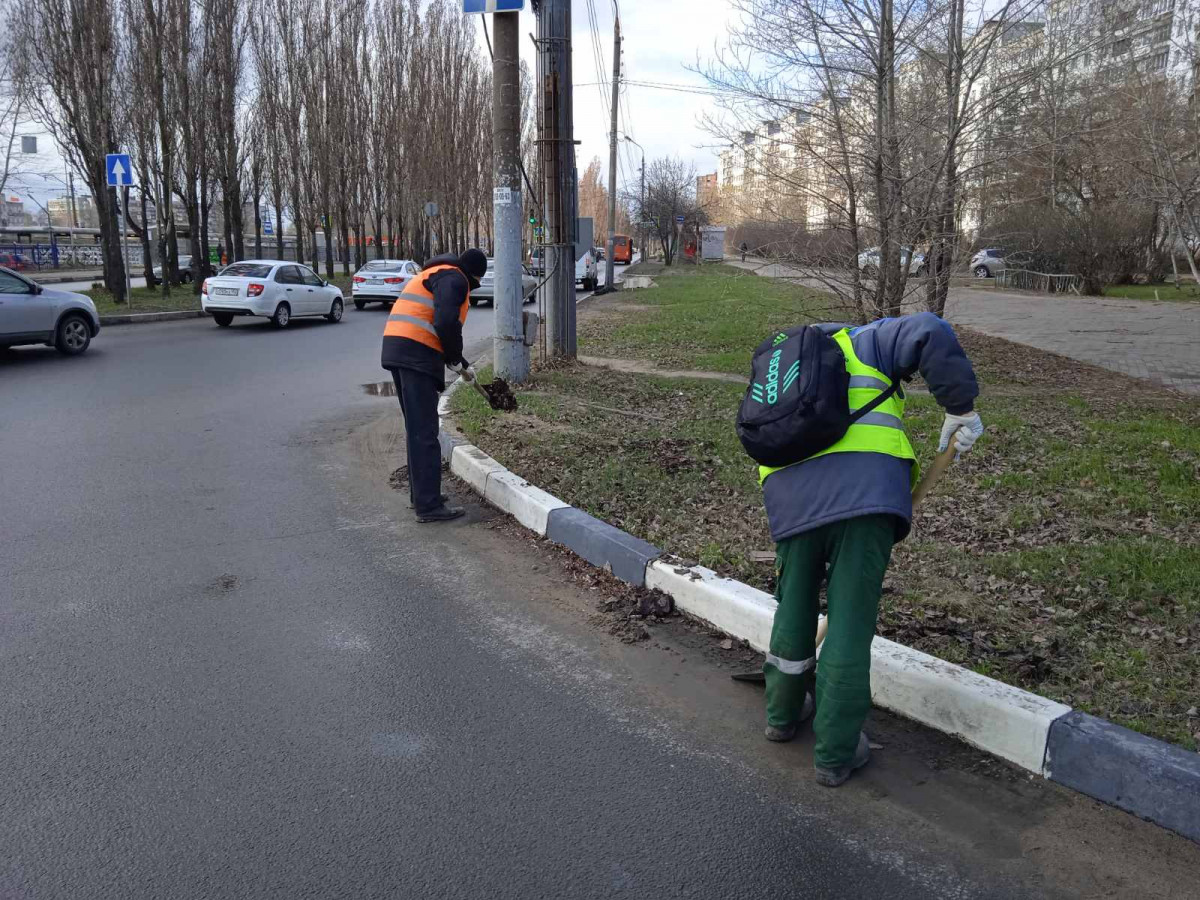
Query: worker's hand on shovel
pixel 964 430
pixel 466 372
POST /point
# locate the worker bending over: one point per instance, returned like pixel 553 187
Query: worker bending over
pixel 424 336
pixel 836 515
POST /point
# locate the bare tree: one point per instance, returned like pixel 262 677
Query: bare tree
pixel 69 51
pixel 670 195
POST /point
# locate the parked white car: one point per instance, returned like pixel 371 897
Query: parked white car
pixel 32 314
pixel 273 289
pixel 381 281
pixel 485 293
pixel 585 271
pixel 868 262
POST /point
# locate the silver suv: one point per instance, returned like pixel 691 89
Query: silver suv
pixel 32 314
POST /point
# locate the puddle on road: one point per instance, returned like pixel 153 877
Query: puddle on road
pixel 380 389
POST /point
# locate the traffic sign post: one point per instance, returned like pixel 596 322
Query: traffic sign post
pixel 120 176
pixel 493 6
pixel 120 170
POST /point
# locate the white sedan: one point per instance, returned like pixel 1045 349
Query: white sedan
pixel 273 289
pixel 381 281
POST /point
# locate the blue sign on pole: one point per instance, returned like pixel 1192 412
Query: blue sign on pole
pixel 492 6
pixel 120 170
pixel 268 228
pixel 679 220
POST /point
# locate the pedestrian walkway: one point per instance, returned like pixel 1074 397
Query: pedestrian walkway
pixel 1155 341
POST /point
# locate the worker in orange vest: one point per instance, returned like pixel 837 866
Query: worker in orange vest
pixel 423 337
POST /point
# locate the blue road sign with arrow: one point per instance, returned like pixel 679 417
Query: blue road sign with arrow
pixel 120 170
pixel 492 6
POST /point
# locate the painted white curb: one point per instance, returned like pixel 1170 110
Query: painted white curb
pixel 731 606
pixel 529 505
pixel 1003 720
pixel 999 718
pixel 473 466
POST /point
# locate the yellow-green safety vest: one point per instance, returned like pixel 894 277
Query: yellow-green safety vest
pixel 879 431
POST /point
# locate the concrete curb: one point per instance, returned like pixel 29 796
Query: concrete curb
pixel 142 318
pixel 999 718
pixel 1128 770
pixel 1146 777
pixel 601 544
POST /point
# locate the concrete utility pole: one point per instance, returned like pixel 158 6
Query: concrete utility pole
pixel 612 159
pixel 510 354
pixel 558 151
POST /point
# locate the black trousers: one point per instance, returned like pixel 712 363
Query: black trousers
pixel 418 393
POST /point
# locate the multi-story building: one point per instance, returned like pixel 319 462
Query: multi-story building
pixel 12 212
pixel 786 171
pixel 708 190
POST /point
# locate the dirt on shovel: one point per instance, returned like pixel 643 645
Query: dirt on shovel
pixel 500 395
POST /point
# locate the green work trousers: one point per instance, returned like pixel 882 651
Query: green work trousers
pixel 856 552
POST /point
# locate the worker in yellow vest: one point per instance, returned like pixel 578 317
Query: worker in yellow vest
pixel 835 516
pixel 424 336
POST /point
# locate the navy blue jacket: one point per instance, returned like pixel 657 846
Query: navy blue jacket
pixel 840 486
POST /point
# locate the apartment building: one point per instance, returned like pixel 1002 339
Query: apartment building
pixel 786 171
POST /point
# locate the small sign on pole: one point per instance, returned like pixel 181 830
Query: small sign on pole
pixel 679 220
pixel 120 170
pixel 493 6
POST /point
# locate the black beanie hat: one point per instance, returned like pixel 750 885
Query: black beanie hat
pixel 473 262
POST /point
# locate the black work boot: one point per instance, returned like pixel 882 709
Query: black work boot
pixel 441 513
pixel 837 777
pixel 781 734
pixel 443 499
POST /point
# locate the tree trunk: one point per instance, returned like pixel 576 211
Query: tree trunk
pixel 147 254
pixel 237 220
pixel 299 225
pixel 257 188
pixel 329 231
pixel 279 222
pixel 226 225
pixel 204 207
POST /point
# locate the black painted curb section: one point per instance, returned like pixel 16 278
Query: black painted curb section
pixel 1144 776
pixel 601 544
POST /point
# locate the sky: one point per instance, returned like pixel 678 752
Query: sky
pixel 660 40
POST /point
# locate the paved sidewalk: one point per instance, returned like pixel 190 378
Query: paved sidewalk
pixel 1155 341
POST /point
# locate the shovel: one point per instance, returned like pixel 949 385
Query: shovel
pixel 932 476
pixel 497 394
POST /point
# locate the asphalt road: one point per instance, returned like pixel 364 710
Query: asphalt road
pixel 233 666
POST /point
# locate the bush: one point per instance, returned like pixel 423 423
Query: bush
pixel 1103 243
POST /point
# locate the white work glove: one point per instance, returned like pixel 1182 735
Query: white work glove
pixel 964 429
pixel 466 371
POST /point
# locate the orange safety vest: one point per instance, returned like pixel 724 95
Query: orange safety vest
pixel 412 313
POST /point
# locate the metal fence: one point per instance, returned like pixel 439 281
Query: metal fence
pixel 1046 283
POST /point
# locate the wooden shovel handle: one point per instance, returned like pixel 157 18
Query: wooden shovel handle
pixel 933 474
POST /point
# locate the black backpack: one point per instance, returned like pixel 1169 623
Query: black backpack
pixel 798 400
